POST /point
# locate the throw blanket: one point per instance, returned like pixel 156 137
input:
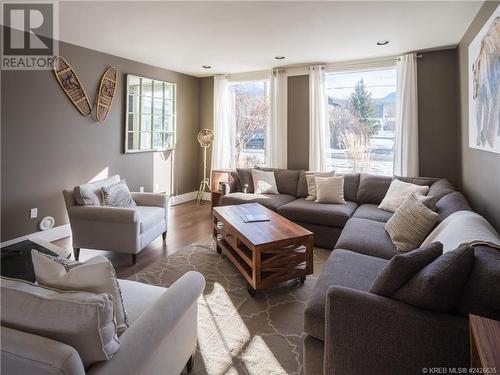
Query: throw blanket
pixel 464 227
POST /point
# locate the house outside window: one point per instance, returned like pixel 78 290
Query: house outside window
pixel 361 121
pixel 250 115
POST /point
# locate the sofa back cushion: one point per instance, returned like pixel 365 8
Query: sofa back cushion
pixel 440 188
pixel 481 294
pixel 351 185
pixel 451 203
pixel 90 194
pixel 245 180
pixel 286 179
pixel 82 320
pixel 302 185
pixel 372 188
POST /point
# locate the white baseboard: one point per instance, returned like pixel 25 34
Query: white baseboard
pixel 49 235
pixel 191 196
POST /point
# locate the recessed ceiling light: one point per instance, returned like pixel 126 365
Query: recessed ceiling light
pixel 206 66
pixel 382 42
pixel 279 57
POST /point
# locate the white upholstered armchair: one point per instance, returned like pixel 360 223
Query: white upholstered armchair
pixel 124 230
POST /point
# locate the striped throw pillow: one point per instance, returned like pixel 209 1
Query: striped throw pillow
pixel 117 195
pixel 410 224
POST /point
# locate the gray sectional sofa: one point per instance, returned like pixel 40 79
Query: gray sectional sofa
pixel 348 329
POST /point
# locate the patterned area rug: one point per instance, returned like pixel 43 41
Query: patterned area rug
pixel 238 334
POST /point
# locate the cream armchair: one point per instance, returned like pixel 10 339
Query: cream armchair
pixel 124 230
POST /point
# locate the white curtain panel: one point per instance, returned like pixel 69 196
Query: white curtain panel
pixel 223 147
pixel 317 118
pixel 276 147
pixel 406 143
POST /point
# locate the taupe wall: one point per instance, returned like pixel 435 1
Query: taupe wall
pixel 48 146
pixel 480 169
pixel 438 130
pixel 206 119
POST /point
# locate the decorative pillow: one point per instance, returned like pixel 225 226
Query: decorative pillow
pixel 330 189
pixel 428 201
pixel 311 183
pixel 264 182
pixel 439 285
pixel 96 275
pixel 82 320
pixel 117 195
pixel 90 194
pixel 402 267
pixel 410 224
pixel 245 179
pixel 398 192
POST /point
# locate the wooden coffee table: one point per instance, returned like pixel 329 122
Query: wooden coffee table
pixel 266 253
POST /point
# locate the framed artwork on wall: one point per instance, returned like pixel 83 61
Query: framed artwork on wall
pixel 484 87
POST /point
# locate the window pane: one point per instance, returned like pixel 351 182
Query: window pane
pixel 145 122
pixel 133 141
pixel 157 140
pixel 168 123
pixel 133 121
pixel 146 105
pixel 158 90
pixel 169 91
pixel 251 118
pixel 147 87
pixel 157 123
pixel 361 109
pixel 169 140
pixel 169 107
pixel 145 141
pixel 157 106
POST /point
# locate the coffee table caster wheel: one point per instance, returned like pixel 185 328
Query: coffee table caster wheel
pixel 302 279
pixel 251 290
pixel 219 250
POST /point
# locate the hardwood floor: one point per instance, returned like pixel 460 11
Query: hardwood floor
pixel 187 223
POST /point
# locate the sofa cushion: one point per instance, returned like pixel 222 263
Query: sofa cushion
pixel 481 294
pixel 149 216
pixel 82 320
pixel 372 188
pixel 117 195
pixel 90 194
pixel 343 268
pixel 402 267
pixel 372 212
pixel 398 191
pixel 366 237
pixel 264 182
pixel 421 181
pixel 139 297
pixel 286 179
pixel 333 215
pixel 271 201
pixel 438 286
pixel 245 180
pixel 312 187
pixel 330 189
pixel 440 188
pixel 451 203
pixel 351 185
pixel 302 185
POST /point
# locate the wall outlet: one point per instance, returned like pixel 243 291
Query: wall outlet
pixel 33 213
pixel 141 189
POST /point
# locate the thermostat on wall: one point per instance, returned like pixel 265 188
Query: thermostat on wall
pixel 46 223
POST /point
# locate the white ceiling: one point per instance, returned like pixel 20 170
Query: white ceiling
pixel 236 37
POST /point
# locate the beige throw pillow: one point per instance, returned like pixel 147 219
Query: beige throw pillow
pixel 264 182
pixel 96 275
pixel 398 192
pixel 311 183
pixel 410 224
pixel 82 320
pixel 330 189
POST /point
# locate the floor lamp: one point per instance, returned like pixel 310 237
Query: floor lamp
pixel 205 137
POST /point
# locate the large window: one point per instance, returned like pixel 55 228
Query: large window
pixel 361 121
pixel 249 114
pixel 150 123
